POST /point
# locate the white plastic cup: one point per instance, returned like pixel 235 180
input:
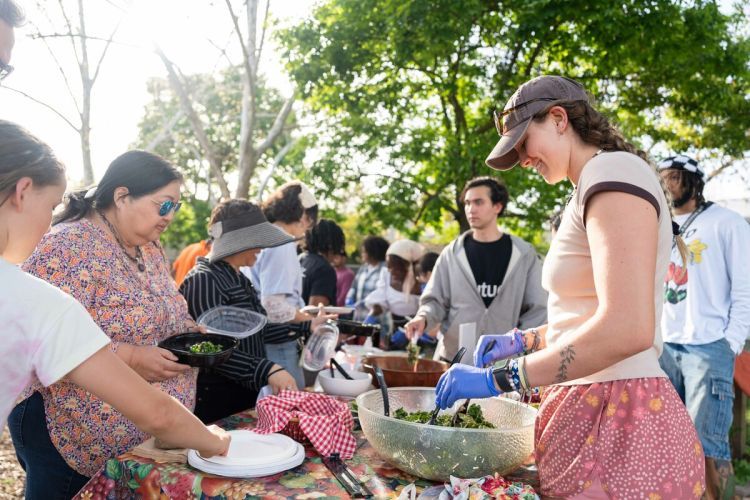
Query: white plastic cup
pixel 467 337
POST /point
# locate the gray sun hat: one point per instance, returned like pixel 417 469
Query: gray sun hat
pixel 242 233
pixel 530 98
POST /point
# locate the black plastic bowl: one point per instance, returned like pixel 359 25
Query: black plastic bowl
pixel 179 345
pixel 349 327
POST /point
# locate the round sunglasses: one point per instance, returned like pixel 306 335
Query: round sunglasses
pixel 167 206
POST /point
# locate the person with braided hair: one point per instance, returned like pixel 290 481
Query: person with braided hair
pixel 706 316
pixel 610 423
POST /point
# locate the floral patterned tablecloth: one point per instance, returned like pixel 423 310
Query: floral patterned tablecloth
pixel 131 476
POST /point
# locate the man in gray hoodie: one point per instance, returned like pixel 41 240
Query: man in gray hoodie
pixel 485 276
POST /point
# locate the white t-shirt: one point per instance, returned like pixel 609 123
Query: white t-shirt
pixel 277 275
pixel 390 299
pixel 711 301
pixel 46 333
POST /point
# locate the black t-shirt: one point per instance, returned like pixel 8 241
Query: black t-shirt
pixel 489 263
pixel 319 277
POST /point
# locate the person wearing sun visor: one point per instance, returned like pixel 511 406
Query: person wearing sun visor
pixel 239 231
pixel 610 423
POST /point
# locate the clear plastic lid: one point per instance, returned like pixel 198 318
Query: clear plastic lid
pixel 233 321
pixel 320 347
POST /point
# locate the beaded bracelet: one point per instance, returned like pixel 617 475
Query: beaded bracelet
pixel 514 377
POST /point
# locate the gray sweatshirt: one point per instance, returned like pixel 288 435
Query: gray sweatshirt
pixel 451 296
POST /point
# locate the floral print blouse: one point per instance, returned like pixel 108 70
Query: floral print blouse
pixel 131 307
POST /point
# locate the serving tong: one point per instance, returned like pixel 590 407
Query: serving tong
pixel 351 483
pixel 456 359
pixel 465 407
pixel 340 368
pixel 383 389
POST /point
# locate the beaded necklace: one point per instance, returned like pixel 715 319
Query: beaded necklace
pixel 138 259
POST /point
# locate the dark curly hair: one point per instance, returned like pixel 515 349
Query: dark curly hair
pixel 692 187
pixel 427 263
pixel 231 209
pixel 376 247
pixel 284 205
pixel 325 237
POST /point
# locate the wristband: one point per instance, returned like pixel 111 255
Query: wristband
pixel 491 383
pixel 522 372
pixel 534 343
pixel 274 372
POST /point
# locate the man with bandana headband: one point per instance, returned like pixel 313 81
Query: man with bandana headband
pixel 706 315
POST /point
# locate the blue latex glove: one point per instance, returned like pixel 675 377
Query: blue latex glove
pixel 506 346
pixel 371 320
pixel 464 381
pixel 350 302
pixel 398 339
pixel 426 340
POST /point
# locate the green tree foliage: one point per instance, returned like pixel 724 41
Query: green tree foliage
pixel 406 89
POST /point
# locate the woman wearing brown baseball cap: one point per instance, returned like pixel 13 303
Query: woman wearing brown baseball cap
pixel 610 422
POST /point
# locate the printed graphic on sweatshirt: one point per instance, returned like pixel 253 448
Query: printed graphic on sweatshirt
pixel 487 291
pixel 675 284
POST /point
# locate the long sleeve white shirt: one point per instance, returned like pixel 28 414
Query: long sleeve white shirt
pixel 390 299
pixel 713 300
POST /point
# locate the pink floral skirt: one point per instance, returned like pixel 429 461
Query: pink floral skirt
pixel 632 437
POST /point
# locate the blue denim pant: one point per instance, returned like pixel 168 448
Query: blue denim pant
pixel 286 355
pixel 48 476
pixel 704 378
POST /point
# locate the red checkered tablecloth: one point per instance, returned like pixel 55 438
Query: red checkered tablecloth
pixel 325 421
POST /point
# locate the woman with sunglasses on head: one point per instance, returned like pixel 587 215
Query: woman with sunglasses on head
pixel 610 423
pixel 104 250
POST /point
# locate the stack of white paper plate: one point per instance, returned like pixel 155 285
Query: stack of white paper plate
pixel 252 455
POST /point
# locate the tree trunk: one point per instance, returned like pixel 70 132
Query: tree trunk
pixel 195 123
pixel 460 216
pixel 88 169
pixel 87 84
pixel 248 158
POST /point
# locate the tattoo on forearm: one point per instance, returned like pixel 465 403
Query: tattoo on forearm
pixel 567 355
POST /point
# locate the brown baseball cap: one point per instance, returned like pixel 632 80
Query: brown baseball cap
pixel 530 98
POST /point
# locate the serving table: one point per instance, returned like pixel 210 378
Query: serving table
pixel 132 476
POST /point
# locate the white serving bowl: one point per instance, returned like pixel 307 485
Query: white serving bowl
pixel 340 386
